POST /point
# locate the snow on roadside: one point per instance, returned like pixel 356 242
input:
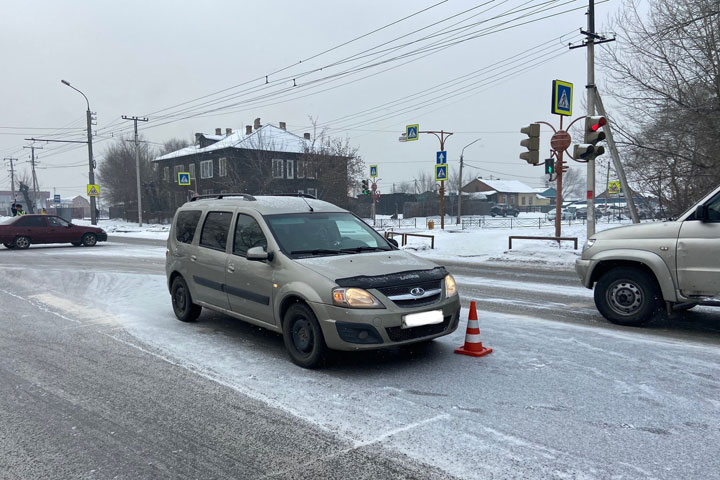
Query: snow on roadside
pixel 128 229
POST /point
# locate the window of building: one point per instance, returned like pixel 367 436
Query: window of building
pixel 206 169
pixel 523 200
pixel 222 166
pixel 300 170
pixel 186 224
pixel 166 174
pixel 208 191
pixel 309 169
pixel 215 230
pixel 312 191
pixel 301 191
pixel 191 170
pixel 177 169
pixel 277 168
pixel 531 200
pixel 290 168
pixel 248 234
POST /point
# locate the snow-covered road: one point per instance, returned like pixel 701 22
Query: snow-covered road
pixel 554 400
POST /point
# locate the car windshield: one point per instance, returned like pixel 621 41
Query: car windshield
pixel 320 234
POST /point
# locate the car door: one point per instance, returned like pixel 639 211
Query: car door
pixel 208 264
pixel 249 283
pixel 698 262
pixel 59 230
pixel 33 226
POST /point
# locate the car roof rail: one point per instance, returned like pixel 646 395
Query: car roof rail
pixel 245 196
pixel 300 195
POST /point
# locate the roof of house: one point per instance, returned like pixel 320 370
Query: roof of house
pixel 267 137
pixel 507 186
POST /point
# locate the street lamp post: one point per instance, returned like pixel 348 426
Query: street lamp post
pixel 91 163
pixel 459 215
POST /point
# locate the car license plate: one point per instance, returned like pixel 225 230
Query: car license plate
pixel 423 318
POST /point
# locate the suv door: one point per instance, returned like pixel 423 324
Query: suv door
pixel 698 262
pixel 249 283
pixel 207 266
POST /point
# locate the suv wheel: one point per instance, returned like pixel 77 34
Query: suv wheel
pixel 303 337
pixel 185 310
pixel 628 296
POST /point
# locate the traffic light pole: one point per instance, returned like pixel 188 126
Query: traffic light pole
pixel 442 136
pixel 374 194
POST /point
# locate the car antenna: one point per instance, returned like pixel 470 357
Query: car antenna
pixel 308 203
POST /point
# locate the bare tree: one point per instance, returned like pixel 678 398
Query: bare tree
pixel 573 184
pixel 424 181
pixel 117 171
pixel 664 73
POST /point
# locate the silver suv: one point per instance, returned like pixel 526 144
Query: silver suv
pixel 635 269
pixel 307 269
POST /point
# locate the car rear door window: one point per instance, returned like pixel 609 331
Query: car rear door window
pixel 186 224
pixel 215 230
pixel 31 222
pixel 248 234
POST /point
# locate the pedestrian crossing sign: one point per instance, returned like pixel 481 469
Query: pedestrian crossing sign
pixel 441 172
pixel 562 98
pixel 183 178
pixel 373 171
pixel 412 132
pixel 93 190
pixel 614 187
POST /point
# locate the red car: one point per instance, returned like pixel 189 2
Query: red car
pixel 21 231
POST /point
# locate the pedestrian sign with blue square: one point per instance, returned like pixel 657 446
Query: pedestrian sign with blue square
pixel 183 178
pixel 441 157
pixel 412 132
pixel 562 98
pixel 373 171
pixel 441 172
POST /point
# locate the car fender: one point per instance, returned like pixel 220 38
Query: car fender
pixel 654 262
pixel 294 289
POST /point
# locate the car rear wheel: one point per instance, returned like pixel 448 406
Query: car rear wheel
pixel 303 337
pixel 183 306
pixel 628 296
pixel 89 239
pixel 22 242
pixel 9 245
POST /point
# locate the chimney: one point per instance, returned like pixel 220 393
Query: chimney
pixel 283 126
pixel 257 123
pixel 218 131
pixel 228 131
pixel 306 136
pixel 248 129
pixel 197 137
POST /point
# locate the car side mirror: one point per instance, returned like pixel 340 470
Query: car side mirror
pixel 258 254
pixel 392 241
pixel 701 213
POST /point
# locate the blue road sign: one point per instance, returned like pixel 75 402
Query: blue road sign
pixel 441 172
pixel 441 157
pixel 183 178
pixel 412 132
pixel 56 198
pixel 562 98
pixel 373 171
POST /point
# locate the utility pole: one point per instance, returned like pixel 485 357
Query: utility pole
pixel 12 177
pixel 459 215
pixel 34 174
pixel 137 165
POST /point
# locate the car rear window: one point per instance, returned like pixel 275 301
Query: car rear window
pixel 215 230
pixel 186 224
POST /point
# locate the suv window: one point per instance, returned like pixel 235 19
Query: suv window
pixel 186 224
pixel 714 209
pixel 31 222
pixel 215 230
pixel 248 234
pixel 58 222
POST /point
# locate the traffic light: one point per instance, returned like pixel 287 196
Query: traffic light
pixel 588 150
pixel 549 166
pixel 532 143
pixel 365 188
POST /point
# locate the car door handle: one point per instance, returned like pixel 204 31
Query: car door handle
pixel 231 268
pixel 193 258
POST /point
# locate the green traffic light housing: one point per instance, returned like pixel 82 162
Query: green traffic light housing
pixel 549 166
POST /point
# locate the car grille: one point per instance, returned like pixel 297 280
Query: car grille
pixel 400 294
pixel 397 334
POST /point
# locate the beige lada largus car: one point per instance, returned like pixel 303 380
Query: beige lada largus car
pixel 307 269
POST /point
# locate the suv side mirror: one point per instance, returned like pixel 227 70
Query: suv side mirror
pixel 392 241
pixel 257 254
pixel 701 213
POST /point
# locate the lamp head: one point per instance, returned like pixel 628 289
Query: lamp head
pixel 65 82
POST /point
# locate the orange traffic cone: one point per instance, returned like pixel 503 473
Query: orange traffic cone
pixel 473 346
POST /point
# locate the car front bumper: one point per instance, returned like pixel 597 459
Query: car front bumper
pixel 582 268
pixel 365 329
pixel 101 237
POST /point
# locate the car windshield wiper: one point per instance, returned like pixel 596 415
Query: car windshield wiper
pixel 365 249
pixel 316 251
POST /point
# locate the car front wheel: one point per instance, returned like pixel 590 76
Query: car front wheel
pixel 22 243
pixel 89 239
pixel 183 306
pixel 628 296
pixel 303 337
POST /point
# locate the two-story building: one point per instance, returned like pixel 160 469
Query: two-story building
pixel 264 159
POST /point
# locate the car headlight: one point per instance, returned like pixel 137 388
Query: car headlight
pixel 450 287
pixel 590 242
pixel 355 298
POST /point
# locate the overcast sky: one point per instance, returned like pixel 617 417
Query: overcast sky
pixel 480 74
